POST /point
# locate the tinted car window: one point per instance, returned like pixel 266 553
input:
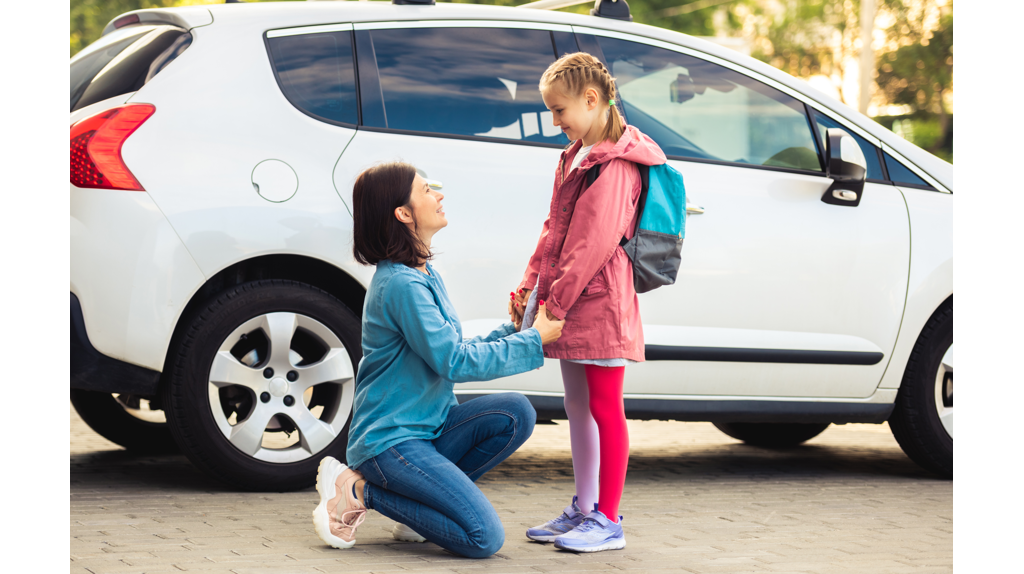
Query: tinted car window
pixel 870 151
pixel 317 75
pixel 120 62
pixel 466 81
pixel 900 175
pixel 94 57
pixel 693 108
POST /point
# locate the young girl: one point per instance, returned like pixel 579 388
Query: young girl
pixel 578 270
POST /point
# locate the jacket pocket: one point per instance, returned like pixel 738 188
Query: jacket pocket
pixel 599 284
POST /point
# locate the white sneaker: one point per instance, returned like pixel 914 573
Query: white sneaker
pixel 339 513
pixel 405 534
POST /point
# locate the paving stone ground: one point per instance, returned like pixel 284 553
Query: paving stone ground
pixel 848 501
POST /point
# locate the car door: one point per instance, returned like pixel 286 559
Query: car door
pixel 460 101
pixel 780 294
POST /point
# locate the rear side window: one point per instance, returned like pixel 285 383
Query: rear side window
pixel 121 62
pixel 317 75
pixel 870 151
pixel 467 82
pixel 696 109
pixel 900 175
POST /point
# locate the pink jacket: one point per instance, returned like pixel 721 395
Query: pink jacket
pixel 584 276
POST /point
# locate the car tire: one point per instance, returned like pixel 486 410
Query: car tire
pixel 915 418
pixel 236 359
pixel 112 420
pixel 772 435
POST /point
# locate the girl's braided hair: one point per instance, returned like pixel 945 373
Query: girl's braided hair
pixel 573 74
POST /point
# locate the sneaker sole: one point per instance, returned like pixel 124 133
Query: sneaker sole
pixel 610 545
pixel 550 538
pixel 403 533
pixel 326 476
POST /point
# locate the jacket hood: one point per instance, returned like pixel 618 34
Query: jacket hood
pixel 633 146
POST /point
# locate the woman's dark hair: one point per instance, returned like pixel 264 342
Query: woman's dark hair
pixel 377 234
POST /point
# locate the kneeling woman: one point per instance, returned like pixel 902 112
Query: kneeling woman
pixel 414 451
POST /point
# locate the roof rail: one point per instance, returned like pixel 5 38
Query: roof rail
pixel 617 9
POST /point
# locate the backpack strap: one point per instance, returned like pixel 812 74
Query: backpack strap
pixel 592 174
pixel 645 182
pixel 645 179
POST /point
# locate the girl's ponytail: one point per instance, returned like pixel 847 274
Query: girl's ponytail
pixel 573 74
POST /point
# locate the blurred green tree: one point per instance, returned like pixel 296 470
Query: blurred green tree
pixel 918 73
pixel 88 17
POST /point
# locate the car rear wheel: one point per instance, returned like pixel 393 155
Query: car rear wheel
pixel 127 420
pixel 772 434
pixel 922 419
pixel 261 387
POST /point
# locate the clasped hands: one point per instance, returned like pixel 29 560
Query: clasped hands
pixel 549 327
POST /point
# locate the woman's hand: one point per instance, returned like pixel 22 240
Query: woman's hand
pixel 550 329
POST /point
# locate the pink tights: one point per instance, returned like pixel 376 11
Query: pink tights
pixel 598 434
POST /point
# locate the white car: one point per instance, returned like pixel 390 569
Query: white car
pixel 213 151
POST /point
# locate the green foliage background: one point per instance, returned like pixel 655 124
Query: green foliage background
pixel 800 37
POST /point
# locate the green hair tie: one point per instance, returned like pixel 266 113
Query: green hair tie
pixel 611 102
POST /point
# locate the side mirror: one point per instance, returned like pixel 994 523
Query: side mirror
pixel 846 167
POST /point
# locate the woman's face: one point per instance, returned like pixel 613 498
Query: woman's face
pixel 424 213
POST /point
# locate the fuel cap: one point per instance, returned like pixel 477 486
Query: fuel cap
pixel 274 180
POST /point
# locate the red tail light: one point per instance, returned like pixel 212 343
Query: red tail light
pixel 96 147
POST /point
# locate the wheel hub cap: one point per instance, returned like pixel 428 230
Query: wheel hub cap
pixel 325 373
pixel 279 387
pixel 944 391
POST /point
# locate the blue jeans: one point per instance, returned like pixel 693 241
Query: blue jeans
pixel 428 485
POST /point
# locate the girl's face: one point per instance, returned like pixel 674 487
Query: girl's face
pixel 578 117
pixel 424 213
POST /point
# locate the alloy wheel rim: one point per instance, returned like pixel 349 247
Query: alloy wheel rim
pixel 944 391
pixel 297 377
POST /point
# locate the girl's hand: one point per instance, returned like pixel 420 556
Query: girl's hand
pixel 550 329
pixel 515 313
pixel 521 298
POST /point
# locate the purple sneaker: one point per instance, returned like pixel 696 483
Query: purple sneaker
pixel 594 534
pixel 570 518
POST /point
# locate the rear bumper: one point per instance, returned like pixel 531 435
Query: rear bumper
pixel 93 371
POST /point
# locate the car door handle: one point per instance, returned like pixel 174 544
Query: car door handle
pixel 692 209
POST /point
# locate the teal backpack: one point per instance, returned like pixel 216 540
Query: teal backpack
pixel 660 229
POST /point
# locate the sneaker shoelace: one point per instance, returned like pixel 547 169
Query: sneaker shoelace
pixel 350 522
pixel 587 525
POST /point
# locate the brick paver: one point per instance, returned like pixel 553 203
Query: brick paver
pixel 696 501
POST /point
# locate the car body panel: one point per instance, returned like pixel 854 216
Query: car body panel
pixel 213 204
pixel 931 272
pixel 744 284
pixel 130 272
